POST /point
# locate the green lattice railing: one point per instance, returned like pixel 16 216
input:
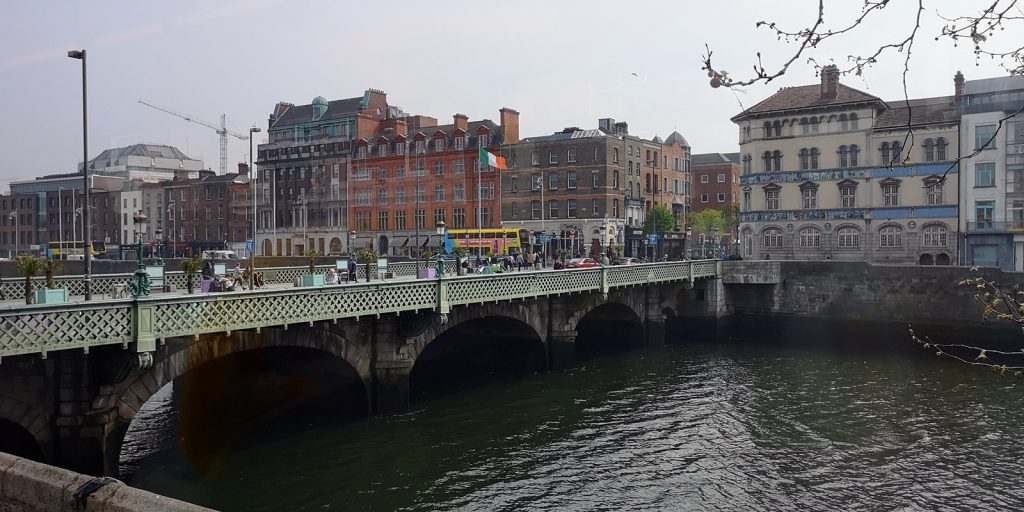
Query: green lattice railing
pixel 39 329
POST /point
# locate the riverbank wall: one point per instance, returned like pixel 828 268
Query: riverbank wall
pixel 27 486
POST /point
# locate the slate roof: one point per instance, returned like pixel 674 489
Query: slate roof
pixel 448 129
pixel 807 96
pixel 713 158
pixel 579 134
pixel 733 157
pixel 335 109
pixel 676 137
pixel 921 112
pixel 146 150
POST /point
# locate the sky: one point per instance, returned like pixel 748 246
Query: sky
pixel 560 64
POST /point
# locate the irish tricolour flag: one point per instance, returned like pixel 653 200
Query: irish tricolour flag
pixel 491 160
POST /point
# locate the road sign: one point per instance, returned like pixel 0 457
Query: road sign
pixel 652 239
pixel 250 245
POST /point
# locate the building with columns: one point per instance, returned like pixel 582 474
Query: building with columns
pixel 831 172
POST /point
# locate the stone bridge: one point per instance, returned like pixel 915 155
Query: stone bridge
pixel 74 377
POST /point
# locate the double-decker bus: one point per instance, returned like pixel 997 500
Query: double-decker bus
pixel 497 241
pixel 74 250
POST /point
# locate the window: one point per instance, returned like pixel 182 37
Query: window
pixel 929 150
pixel 571 179
pixel 704 178
pixel 593 179
pixel 721 197
pixel 615 155
pixel 615 179
pixel 810 238
pixel 460 144
pixel 421 169
pixel 400 220
pixel 854 151
pixel 721 178
pixel 703 198
pixel 772 238
pixel 459 215
pixel 940 149
pixel 421 194
pixel 985 174
pixel 459 194
pixel 896 152
pixel 809 198
pixel 746 200
pixel 777 160
pixel 363 198
pixel 552 157
pixel 382 196
pixel 400 171
pixel 935 235
pixel 746 164
pixel 884 153
pixel 984 136
pixel 849 238
pixel 843 156
pixel 553 209
pixel 421 146
pixel 933 192
pixel 439 193
pixel 440 215
pixel 361 152
pixel 487 191
pixel 400 150
pixel 805 162
pixel 890 194
pixel 771 199
pixel 615 208
pixel 483 140
pixel 853 121
pixel 382 150
pixel 382 173
pixel 842 122
pixel 536 182
pixel 421 219
pixel 571 156
pixel 400 195
pixel 848 194
pixel 805 126
pixel 767 129
pixel 552 181
pixel 890 236
pixel 535 209
pixel 460 166
pixel 594 208
pixel 438 168
pixel 382 221
pixel 438 144
pixel 571 208
pixel 815 154
pixel 983 214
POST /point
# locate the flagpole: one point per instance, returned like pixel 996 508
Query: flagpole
pixel 479 212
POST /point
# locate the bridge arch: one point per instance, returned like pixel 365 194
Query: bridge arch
pixel 129 396
pixel 612 324
pixel 24 430
pixel 533 313
pixel 631 298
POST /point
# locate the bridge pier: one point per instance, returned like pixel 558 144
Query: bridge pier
pixel 81 430
pixel 391 369
pixel 562 350
pixel 654 320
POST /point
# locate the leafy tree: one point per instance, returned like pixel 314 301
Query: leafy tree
pixel 29 266
pixel 705 222
pixel 659 221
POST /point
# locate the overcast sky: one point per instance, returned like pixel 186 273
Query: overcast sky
pixel 559 63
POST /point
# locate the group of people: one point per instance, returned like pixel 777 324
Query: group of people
pixel 515 261
pixel 334 277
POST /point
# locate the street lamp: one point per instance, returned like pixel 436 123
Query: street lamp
pixel 87 218
pixel 252 178
pixel 14 217
pixel 170 217
pixel 140 281
pixel 351 236
pixel 440 248
pixel 159 252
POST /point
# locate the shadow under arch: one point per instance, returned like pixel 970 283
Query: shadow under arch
pixel 17 440
pixel 231 386
pixel 608 327
pixel 473 351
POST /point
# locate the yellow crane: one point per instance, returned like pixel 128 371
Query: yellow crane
pixel 221 130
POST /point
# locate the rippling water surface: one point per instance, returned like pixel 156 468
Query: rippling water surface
pixel 691 427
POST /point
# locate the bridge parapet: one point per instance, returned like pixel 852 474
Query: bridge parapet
pixel 42 328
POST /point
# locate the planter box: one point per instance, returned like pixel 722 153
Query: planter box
pixel 426 273
pixel 313 280
pixel 54 296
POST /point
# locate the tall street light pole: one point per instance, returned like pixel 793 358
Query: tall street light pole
pixel 17 230
pixel 86 214
pixel 252 178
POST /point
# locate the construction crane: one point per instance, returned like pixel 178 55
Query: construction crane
pixel 222 130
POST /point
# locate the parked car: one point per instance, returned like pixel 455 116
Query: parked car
pixel 626 261
pixel 582 263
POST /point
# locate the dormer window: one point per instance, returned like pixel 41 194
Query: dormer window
pixel 439 145
pixel 483 140
pixel 382 150
pixel 420 146
pixel 400 147
pixel 361 152
pixel 460 143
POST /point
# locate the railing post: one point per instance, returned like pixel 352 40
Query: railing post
pixel 142 327
pixel 604 281
pixel 443 306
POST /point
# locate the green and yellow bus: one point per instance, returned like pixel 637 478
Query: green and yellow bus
pixel 497 241
pixel 74 250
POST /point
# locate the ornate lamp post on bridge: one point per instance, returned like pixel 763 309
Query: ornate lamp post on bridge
pixel 440 248
pixel 140 280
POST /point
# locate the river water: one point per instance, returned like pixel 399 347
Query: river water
pixel 716 426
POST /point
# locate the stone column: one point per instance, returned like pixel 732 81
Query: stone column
pixel 390 369
pixel 561 339
pixel 81 431
pixel 654 321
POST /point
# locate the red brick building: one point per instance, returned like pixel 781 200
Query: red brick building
pixel 716 182
pixel 18 223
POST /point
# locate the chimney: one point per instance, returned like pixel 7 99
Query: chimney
pixel 461 121
pixel 606 125
pixel 243 169
pixel 621 128
pixel 829 82
pixel 958 86
pixel 509 126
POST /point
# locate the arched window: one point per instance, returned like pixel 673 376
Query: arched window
pixel 897 151
pixel 748 242
pixel 814 125
pixel 848 237
pixel 747 161
pixel 843 153
pixel 935 235
pixel 777 160
pixel 804 161
pixel 767 129
pixel 890 236
pixel 767 156
pixel 940 149
pixel 842 122
pixel 929 150
pixel 810 238
pixel 772 238
pixel 805 126
pixel 853 121
pixel 854 151
pixel 814 157
pixel 778 128
pixel 884 150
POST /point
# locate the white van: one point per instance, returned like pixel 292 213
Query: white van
pixel 219 255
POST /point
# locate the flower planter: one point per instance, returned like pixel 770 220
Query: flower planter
pixel 51 296
pixel 313 280
pixel 426 273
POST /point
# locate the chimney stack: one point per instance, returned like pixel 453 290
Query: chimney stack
pixel 829 82
pixel 461 121
pixel 958 86
pixel 243 169
pixel 509 126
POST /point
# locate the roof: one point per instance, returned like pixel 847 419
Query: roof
pixel 807 96
pixel 579 134
pixel 920 112
pixel 733 157
pixel 146 150
pixel 448 129
pixel 713 158
pixel 676 138
pixel 335 109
